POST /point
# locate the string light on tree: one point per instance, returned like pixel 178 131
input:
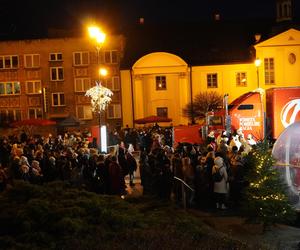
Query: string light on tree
pixel 265 197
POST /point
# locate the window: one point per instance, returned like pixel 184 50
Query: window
pixel 114 111
pixel 245 107
pixel 111 56
pixel 10 88
pixel 55 57
pixel 33 87
pixel 56 73
pixel 82 84
pixel 35 113
pixel 8 116
pixel 161 82
pixel 269 71
pixel 212 80
pixel 113 83
pixel 32 61
pixel 9 62
pixel 58 99
pixel 116 97
pixel 241 79
pixel 80 58
pixel 215 120
pixel 162 112
pixel 84 112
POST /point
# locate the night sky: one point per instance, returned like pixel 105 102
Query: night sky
pixel 34 17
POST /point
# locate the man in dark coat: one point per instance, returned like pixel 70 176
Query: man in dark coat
pixel 132 166
pixel 116 178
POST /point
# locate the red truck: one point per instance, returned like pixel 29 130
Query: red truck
pixel 283 108
pixel 248 113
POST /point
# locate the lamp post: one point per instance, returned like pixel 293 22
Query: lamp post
pixel 257 63
pixel 99 94
pixel 100 98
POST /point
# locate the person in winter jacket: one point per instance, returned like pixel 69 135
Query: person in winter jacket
pixel 220 187
pixel 132 166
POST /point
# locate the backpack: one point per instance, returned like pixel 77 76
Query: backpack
pixel 217 177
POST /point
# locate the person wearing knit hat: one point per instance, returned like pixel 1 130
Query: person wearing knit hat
pixel 220 187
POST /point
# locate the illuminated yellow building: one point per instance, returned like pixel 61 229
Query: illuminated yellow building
pixel 162 83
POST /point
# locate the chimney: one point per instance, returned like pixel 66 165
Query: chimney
pixel 217 17
pixel 141 20
pixel 257 37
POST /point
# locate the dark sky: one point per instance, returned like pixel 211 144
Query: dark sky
pixel 34 17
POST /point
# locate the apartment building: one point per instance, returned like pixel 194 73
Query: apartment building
pixel 48 78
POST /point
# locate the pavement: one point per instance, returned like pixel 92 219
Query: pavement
pixel 137 189
pixel 281 237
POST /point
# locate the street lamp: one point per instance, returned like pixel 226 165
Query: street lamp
pixel 103 72
pixel 99 37
pixel 257 63
pixel 100 96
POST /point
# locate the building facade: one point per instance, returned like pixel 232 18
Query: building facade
pixel 48 78
pixel 163 84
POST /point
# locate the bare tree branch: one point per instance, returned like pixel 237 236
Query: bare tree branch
pixel 203 103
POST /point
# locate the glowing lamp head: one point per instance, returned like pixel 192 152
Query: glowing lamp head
pixel 101 37
pixel 103 72
pixel 257 62
pixel 97 34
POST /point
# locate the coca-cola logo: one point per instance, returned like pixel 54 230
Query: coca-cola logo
pixel 289 112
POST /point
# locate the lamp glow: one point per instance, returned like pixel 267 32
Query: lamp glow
pixel 257 62
pixel 103 133
pixel 103 72
pixel 97 34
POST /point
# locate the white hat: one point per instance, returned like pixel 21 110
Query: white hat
pixel 219 161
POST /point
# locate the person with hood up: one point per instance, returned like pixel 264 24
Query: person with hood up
pixel 221 187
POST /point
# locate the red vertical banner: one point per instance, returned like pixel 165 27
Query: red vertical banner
pixel 95 132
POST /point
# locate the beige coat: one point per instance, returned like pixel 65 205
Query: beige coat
pixel 221 187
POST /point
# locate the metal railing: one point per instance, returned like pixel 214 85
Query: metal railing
pixel 184 188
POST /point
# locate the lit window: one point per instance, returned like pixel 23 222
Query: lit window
pixel 10 88
pixel 32 60
pixel 269 71
pixel 80 58
pixel 114 111
pixel 161 82
pixel 56 73
pixel 58 99
pixel 84 112
pixel 9 62
pixel 55 57
pixel 35 113
pixel 33 87
pixel 162 111
pixel 241 79
pixel 212 80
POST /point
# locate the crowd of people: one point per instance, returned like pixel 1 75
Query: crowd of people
pixel 76 159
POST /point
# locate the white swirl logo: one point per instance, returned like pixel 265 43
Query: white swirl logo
pixel 289 112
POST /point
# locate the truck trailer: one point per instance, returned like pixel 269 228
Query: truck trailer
pixel 249 113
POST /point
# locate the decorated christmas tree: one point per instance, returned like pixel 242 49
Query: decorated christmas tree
pixel 265 197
